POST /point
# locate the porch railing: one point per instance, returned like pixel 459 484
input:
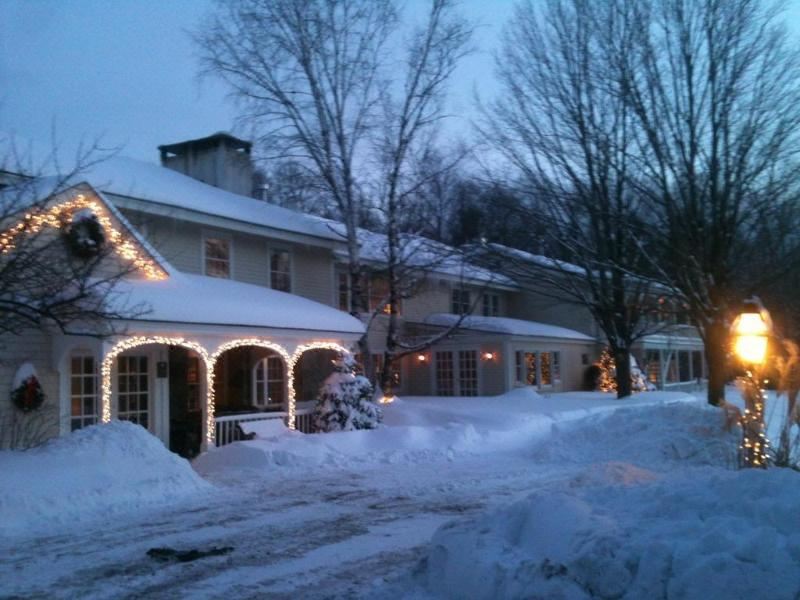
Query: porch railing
pixel 227 429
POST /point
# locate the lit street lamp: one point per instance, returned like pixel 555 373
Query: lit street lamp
pixel 750 332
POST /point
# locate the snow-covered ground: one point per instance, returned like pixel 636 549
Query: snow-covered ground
pixel 516 496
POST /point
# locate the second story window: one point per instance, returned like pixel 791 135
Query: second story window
pixel 280 271
pixel 217 253
pixel 344 292
pixel 378 293
pixel 461 302
pixel 491 305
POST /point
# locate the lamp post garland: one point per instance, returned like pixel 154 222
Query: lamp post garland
pixel 751 331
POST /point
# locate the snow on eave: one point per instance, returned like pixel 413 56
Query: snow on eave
pixel 187 298
pixel 507 326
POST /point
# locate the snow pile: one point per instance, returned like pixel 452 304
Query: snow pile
pixel 719 534
pixel 649 508
pixel 94 473
pixel 423 429
pixel 688 433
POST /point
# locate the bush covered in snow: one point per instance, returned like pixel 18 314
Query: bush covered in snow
pixel 345 400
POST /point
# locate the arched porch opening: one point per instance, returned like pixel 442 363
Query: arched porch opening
pixel 159 383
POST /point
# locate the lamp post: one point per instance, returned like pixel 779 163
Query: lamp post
pixel 751 331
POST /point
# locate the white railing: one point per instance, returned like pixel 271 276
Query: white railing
pixel 227 428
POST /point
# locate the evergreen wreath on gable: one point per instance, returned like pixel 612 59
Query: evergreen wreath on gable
pixel 84 235
pixel 26 391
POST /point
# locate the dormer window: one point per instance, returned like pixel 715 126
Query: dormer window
pixel 462 303
pixel 491 305
pixel 217 255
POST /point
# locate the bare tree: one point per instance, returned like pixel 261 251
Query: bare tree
pixel 562 121
pixel 715 89
pixel 411 118
pixel 313 76
pixel 308 75
pixel 44 282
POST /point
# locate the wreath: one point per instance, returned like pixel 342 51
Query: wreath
pixel 85 236
pixel 28 395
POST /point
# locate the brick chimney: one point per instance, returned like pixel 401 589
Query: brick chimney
pixel 220 160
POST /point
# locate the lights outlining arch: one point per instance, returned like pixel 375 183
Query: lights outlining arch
pixel 287 359
pixel 135 342
pixel 210 362
pixel 58 216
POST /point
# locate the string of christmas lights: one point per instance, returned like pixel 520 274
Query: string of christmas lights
pixel 755 445
pixel 61 214
pixel 210 361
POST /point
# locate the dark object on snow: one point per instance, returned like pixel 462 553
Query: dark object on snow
pixel 170 554
pixel 591 378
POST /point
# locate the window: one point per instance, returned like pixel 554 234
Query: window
pixel 684 365
pixel 526 368
pixel 269 382
pixel 444 374
pixel 344 292
pixel 280 271
pixel 652 360
pixel 556 366
pixel 468 372
pixel 133 385
pixel 491 305
pixel 378 294
pixel 461 302
pixel 83 391
pixel 546 367
pixel 217 257
pixel 697 364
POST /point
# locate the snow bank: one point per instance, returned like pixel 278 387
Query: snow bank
pixel 423 429
pixel 633 527
pixel 94 473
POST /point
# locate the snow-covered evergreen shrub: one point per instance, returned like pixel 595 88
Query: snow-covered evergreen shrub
pixel 345 400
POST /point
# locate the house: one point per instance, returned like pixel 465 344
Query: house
pixel 248 302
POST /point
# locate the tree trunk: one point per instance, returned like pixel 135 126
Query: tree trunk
pixel 622 362
pixel 716 341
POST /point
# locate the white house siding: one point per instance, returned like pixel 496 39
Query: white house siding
pixel 35 347
pixel 531 306
pixel 312 273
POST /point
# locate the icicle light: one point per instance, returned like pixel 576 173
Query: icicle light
pixel 210 361
pixel 61 215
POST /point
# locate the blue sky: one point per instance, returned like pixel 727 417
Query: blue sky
pixel 125 70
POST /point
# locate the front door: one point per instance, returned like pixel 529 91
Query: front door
pixel 185 412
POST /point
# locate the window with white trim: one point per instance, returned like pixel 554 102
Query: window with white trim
pixel 83 391
pixel 491 305
pixel 468 372
pixel 217 257
pixel 461 302
pixel 269 376
pixel 344 291
pixel 526 368
pixel 546 368
pixel 280 270
pixel 445 384
pixel 133 389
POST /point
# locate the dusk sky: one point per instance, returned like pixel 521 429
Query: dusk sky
pixel 126 70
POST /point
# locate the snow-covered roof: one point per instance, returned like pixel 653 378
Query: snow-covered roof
pixel 424 254
pixel 506 326
pixel 145 181
pixel 536 259
pixel 186 298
